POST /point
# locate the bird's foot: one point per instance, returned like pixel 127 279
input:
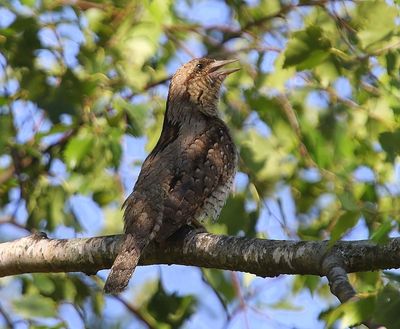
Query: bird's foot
pixel 185 230
pixel 198 225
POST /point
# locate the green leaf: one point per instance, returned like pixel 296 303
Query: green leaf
pixel 311 282
pixel 104 197
pixel 6 128
pixel 287 306
pixel 170 309
pixel 306 49
pixel 387 307
pixel 57 197
pixel 351 313
pixel 22 41
pixel 44 283
pixel 345 222
pixel 33 306
pixel 68 96
pixel 136 115
pixel 265 170
pixel 381 235
pixel 348 201
pixel 29 3
pixel 376 21
pixel 234 208
pixel 390 143
pixel 317 145
pixel 136 119
pixel 77 148
pixel 113 146
pixel 61 325
pixel 366 282
pixel 392 59
pixel 95 17
pixel 281 74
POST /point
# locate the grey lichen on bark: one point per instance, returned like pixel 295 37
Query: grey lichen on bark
pixel 37 253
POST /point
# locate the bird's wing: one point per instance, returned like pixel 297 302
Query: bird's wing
pixel 200 171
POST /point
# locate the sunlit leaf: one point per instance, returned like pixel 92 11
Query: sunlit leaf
pixel 376 21
pixel 351 313
pixel 345 222
pixel 6 129
pixel 77 149
pixel 32 306
pixel 381 235
pixel 387 306
pixel 389 142
pixel 307 49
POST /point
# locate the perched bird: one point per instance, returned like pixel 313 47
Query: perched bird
pixel 189 173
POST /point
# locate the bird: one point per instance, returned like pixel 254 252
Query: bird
pixel 188 175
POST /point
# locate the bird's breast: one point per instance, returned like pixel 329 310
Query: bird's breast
pixel 220 169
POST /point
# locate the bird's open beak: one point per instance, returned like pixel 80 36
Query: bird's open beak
pixel 214 68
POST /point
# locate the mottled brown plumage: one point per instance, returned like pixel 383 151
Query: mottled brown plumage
pixel 188 175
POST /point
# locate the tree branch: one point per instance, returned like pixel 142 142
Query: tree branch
pixel 341 286
pixel 338 280
pixel 265 258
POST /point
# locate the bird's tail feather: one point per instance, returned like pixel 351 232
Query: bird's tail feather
pixel 124 265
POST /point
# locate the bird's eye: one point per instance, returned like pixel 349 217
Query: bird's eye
pixel 199 66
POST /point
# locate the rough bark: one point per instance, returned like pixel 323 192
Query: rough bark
pixel 37 253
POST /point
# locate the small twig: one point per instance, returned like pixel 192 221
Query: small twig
pixel 273 215
pixel 239 295
pixel 77 309
pixel 338 280
pixel 181 44
pixel 21 163
pixel 340 285
pixel 82 4
pixel 134 311
pixel 7 319
pixel 294 123
pixel 156 83
pixel 12 221
pixel 217 294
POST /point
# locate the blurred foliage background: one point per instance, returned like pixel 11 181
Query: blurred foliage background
pixel 315 112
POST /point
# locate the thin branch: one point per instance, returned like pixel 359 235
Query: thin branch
pixel 24 162
pixel 338 281
pixel 7 319
pixel 239 295
pixel 217 294
pixel 156 83
pixel 340 285
pixel 11 220
pixel 294 123
pixel 81 4
pixel 134 311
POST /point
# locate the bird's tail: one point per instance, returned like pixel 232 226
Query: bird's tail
pixel 124 265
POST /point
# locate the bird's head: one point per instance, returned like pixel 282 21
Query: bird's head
pixel 198 83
